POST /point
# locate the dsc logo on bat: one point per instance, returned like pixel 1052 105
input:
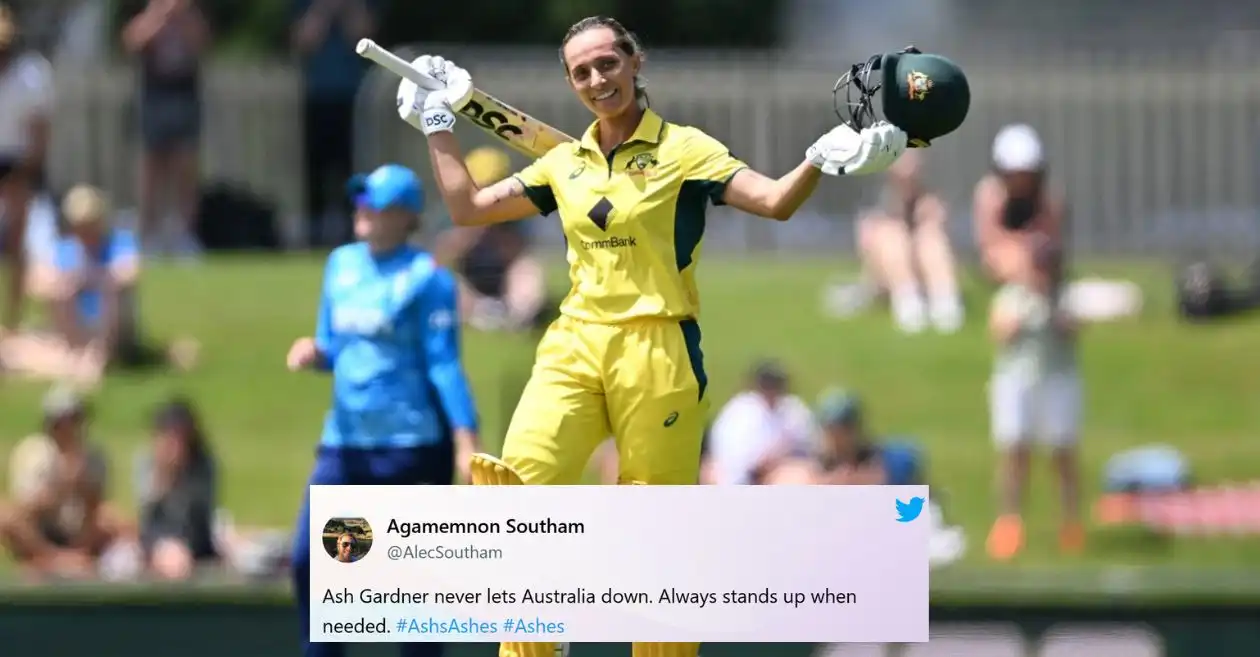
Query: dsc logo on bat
pixel 493 121
pixel 437 120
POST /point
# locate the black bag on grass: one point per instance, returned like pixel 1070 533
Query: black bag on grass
pixel 1204 293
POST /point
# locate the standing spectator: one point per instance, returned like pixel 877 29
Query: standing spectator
pixel 324 37
pixel 170 39
pixel 1015 203
pixel 758 428
pixel 906 251
pixel 176 481
pixel 26 90
pixel 58 522
pixel 1035 394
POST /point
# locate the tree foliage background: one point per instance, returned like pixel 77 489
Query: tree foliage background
pixel 260 27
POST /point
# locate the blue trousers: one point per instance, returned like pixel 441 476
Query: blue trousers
pixel 418 466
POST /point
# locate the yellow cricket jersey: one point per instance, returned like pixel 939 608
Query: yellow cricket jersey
pixel 633 221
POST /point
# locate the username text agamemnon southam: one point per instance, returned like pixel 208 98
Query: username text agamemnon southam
pixel 509 526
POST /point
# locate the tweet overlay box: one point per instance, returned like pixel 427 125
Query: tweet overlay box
pixel 822 564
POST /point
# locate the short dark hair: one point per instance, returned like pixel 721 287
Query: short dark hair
pixel 626 42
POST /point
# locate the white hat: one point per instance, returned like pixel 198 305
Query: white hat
pixel 1018 148
pixel 84 204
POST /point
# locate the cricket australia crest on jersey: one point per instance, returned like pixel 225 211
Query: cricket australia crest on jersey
pixel 643 164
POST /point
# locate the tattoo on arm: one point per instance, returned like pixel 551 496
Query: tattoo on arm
pixel 506 189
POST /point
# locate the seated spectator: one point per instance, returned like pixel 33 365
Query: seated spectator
pixel 790 472
pixel 58 523
pixel 605 463
pixel 847 452
pixel 757 429
pixel 502 283
pixel 90 286
pixel 906 253
pixel 176 490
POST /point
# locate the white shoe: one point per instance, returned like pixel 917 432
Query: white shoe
pixel 909 313
pixel 947 315
pixel 843 300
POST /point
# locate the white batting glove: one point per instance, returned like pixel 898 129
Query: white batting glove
pixel 431 107
pixel 846 152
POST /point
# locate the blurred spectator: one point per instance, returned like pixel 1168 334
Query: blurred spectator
pixel 1015 202
pixel 90 285
pixel 176 489
pixel 58 522
pixel 501 282
pixel 324 35
pixel 170 39
pixel 82 35
pixel 42 233
pixel 605 462
pixel 906 252
pixel 1035 394
pixel 26 90
pixel 847 454
pixel 758 428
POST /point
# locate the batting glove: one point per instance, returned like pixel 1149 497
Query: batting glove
pixel 846 152
pixel 431 107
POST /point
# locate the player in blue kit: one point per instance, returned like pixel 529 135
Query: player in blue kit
pixel 388 331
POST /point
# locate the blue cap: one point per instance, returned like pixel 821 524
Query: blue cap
pixel 391 186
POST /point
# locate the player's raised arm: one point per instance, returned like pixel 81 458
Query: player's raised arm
pixel 770 198
pixel 842 151
pixel 925 96
pixel 469 205
pixel 429 111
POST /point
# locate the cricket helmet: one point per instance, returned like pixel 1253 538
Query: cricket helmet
pixel 925 95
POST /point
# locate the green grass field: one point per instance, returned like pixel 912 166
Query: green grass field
pixel 1149 380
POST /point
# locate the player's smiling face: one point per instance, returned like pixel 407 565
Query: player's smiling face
pixel 601 73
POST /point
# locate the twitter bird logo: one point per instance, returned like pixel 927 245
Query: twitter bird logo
pixel 908 511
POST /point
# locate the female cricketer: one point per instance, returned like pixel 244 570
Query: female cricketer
pixel 624 357
pixel 388 330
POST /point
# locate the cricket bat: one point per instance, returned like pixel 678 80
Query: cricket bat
pixel 513 127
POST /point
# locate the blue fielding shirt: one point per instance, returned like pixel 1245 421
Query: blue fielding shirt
pixel 72 257
pixel 389 331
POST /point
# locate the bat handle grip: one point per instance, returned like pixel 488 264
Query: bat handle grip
pixel 369 49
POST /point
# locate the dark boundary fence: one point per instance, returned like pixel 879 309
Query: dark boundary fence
pixel 252 623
